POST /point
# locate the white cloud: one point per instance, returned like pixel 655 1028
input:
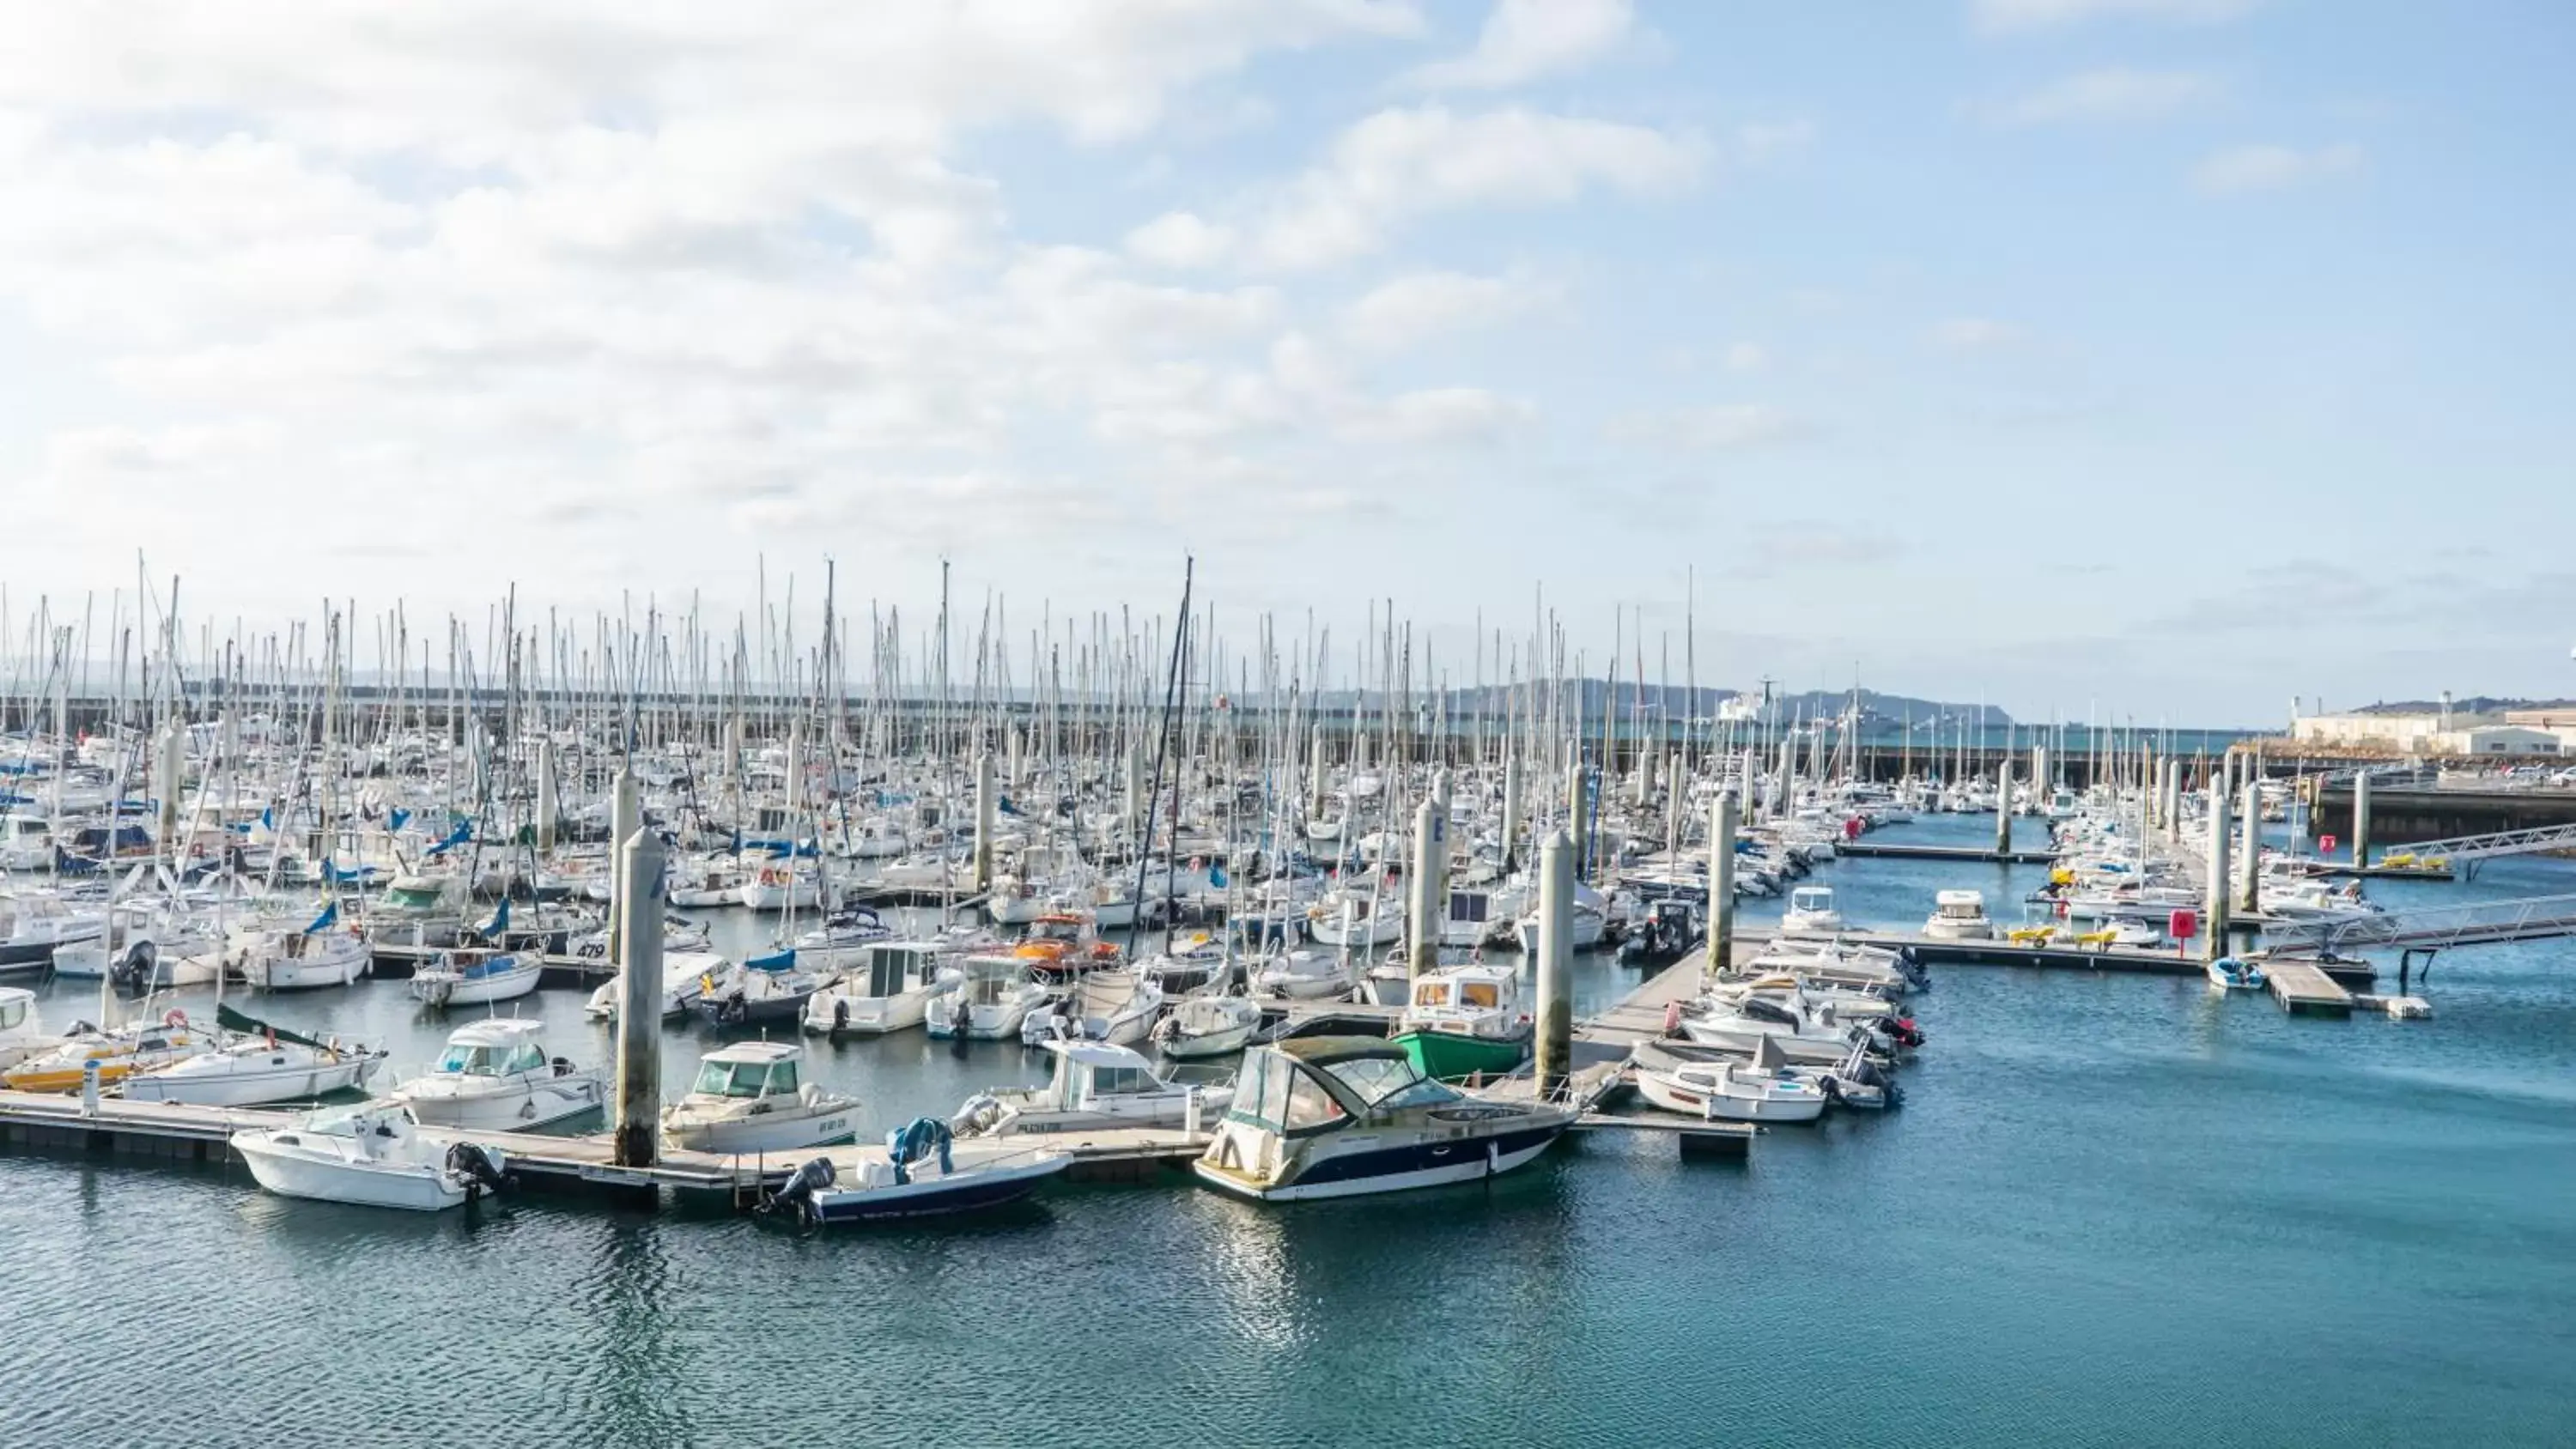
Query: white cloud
pixel 1403 163
pixel 2018 15
pixel 2242 169
pixel 1412 309
pixel 1763 143
pixel 1180 240
pixel 1525 39
pixel 1747 357
pixel 2114 94
pixel 1977 334
pixel 1719 427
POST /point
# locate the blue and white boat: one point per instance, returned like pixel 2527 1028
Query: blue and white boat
pixel 1345 1116
pixel 469 976
pixel 920 1172
pixel 2228 973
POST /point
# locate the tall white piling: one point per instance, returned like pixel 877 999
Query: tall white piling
pixel 545 806
pixel 2361 819
pixel 985 812
pixel 1555 1026
pixel 1427 887
pixel 169 771
pixel 2003 807
pixel 795 767
pixel 1577 804
pixel 1722 824
pixel 2249 866
pixel 2215 945
pixel 625 817
pixel 639 1010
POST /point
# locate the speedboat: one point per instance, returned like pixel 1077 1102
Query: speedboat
pixel 1959 916
pixel 986 998
pixel 1803 1033
pixel 1758 1090
pixel 1811 912
pixel 2230 973
pixel 471 976
pixel 886 988
pixel 919 1172
pixel 1201 1027
pixel 1340 1116
pixel 496 1076
pixel 1110 1006
pixel 760 991
pixel 1464 1020
pixel 257 1063
pixel 747 1099
pixel 1095 1085
pixel 684 976
pixel 374 1156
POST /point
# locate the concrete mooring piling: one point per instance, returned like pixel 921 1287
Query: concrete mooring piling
pixel 1578 812
pixel 2361 819
pixel 169 773
pixel 1722 824
pixel 639 1005
pixel 986 803
pixel 625 817
pixel 1427 886
pixel 2215 945
pixel 2003 807
pixel 1554 1047
pixel 2249 869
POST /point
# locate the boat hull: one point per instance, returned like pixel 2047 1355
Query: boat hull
pixel 1449 1055
pixel 251 1088
pixel 1395 1169
pixel 966 1190
pixel 530 1105
pixel 292 1174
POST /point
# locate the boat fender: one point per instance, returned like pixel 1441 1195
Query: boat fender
pixel 174 1018
pixel 1672 1017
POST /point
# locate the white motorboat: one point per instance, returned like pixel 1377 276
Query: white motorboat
pixel 840 939
pixel 886 988
pixel 471 976
pixel 986 997
pixel 1304 976
pixel 1959 916
pixel 1095 1085
pixel 22 1029
pixel 496 1076
pixel 1591 922
pixel 1811 912
pixel 1201 1027
pixel 372 1156
pixel 1758 1090
pixel 257 1063
pixel 1343 1116
pixel 748 1099
pixel 918 1173
pixel 1107 1006
pixel 1803 1033
pixel 33 924
pixel 684 976
pixel 1351 916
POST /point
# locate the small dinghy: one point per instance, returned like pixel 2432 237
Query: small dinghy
pixel 920 1171
pixel 2230 973
pixel 373 1156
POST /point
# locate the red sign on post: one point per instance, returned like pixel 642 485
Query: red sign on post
pixel 2182 925
pixel 2325 845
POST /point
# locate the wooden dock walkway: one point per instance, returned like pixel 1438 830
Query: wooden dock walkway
pixel 1876 850
pixel 2303 989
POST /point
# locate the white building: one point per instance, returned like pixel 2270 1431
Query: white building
pixel 2406 734
pixel 2489 740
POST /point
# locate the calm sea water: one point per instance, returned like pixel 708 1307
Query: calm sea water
pixel 2114 1211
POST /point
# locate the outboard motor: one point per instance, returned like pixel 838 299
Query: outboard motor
pixel 135 971
pixel 1905 1031
pixel 840 1016
pixel 481 1173
pixel 957 1025
pixel 797 1196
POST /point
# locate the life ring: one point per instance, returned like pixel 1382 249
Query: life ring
pixel 174 1018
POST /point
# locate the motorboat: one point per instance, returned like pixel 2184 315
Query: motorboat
pixel 373 1155
pixel 986 998
pixel 1754 1090
pixel 1094 1085
pixel 321 954
pixel 1105 1006
pixel 1591 920
pixel 1668 929
pixel 684 978
pixel 1060 944
pixel 1804 1033
pixel 1201 1027
pixel 473 976
pixel 748 1098
pixel 1340 1116
pixel 1859 1082
pixel 22 1028
pixel 886 987
pixel 1811 912
pixel 840 939
pixel 257 1063
pixel 761 991
pixel 1304 976
pixel 419 909
pixel 920 1172
pixel 33 924
pixel 2232 973
pixel 1464 1020
pixel 1959 916
pixel 497 1076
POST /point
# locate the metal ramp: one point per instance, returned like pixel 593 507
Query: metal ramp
pixel 2463 852
pixel 2434 928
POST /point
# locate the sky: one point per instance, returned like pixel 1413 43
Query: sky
pixel 2128 359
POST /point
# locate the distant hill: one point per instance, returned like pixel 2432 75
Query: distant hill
pixel 1678 702
pixel 2472 704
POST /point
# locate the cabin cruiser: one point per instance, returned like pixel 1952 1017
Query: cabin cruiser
pixel 1757 1089
pixel 1959 916
pixel 496 1076
pixel 1463 1020
pixel 886 987
pixel 1095 1085
pixel 684 976
pixel 1059 944
pixel 748 1098
pixel 257 1063
pixel 987 998
pixel 373 1155
pixel 1340 1116
pixel 1205 1026
pixel 1811 912
pixel 761 990
pixel 421 910
pixel 1109 1006
pixel 472 976
pixel 32 924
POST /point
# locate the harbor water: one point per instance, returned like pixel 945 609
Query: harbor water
pixel 2115 1209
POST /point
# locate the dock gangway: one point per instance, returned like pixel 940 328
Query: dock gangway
pixel 2433 928
pixel 2463 852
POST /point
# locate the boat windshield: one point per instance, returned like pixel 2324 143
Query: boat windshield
pixel 492 1061
pixel 412 898
pixel 1431 993
pixel 1486 994
pixel 1388 1082
pixel 745 1079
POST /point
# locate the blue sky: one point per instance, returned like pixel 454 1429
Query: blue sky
pixel 2156 358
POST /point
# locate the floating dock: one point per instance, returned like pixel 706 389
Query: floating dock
pixel 1871 850
pixel 2305 990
